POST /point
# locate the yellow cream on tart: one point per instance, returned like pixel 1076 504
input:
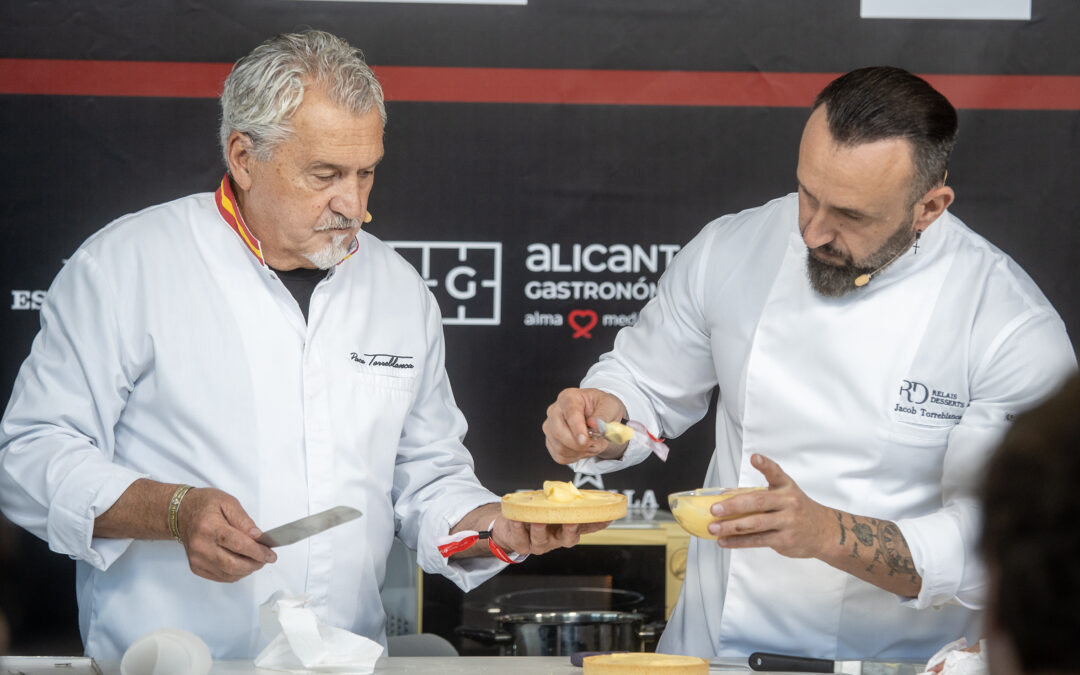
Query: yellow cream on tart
pixel 561 502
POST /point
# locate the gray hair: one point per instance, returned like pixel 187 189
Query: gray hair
pixel 266 87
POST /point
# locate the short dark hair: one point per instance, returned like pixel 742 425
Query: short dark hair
pixel 1031 533
pixel 880 102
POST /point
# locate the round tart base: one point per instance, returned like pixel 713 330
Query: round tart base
pixel 532 506
pixel 633 662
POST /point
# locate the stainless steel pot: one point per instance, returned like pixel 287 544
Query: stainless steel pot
pixel 563 633
pixel 566 599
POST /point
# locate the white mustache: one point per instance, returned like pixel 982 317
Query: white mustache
pixel 338 222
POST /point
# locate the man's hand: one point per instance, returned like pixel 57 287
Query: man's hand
pixel 569 419
pixel 516 537
pixel 539 538
pixel 784 519
pixel 219 536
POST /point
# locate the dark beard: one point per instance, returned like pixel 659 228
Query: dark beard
pixel 833 281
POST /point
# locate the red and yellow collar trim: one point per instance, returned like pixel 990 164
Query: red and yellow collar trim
pixel 352 249
pixel 230 213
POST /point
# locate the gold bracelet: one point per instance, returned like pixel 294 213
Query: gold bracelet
pixel 174 506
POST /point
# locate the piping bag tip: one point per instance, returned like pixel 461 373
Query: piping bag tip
pixel 632 432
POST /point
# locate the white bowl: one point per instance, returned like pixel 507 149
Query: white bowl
pixel 169 651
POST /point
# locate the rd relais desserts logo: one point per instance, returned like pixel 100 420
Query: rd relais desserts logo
pixel 583 287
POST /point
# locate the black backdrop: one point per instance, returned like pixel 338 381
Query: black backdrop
pixel 497 178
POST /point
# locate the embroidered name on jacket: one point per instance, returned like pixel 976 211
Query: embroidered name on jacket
pixel 919 400
pixel 385 360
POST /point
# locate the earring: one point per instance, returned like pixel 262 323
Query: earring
pixel 367 216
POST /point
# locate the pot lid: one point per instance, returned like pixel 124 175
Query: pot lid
pixel 565 618
pixel 567 599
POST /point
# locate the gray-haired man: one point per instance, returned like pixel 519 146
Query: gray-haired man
pixel 256 344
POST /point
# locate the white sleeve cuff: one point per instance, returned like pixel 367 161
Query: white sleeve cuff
pixel 635 454
pixel 937 549
pixel 80 498
pixel 466 573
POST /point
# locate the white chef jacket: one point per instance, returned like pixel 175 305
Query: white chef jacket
pixel 882 403
pixel 168 350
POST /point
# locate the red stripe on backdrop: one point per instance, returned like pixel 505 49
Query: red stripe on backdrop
pixel 613 87
pixel 532 85
pixel 112 78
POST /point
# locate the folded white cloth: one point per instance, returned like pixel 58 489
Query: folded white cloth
pixel 960 662
pixel 301 643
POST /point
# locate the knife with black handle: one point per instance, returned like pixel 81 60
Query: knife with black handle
pixel 784 662
pixel 804 664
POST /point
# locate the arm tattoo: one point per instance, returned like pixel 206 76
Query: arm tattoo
pixel 882 537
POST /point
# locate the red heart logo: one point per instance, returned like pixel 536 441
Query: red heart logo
pixel 582 321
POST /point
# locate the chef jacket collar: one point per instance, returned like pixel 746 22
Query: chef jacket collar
pixel 229 209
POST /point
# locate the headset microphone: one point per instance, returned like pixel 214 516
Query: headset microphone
pixel 864 279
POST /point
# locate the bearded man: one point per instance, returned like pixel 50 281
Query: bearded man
pixel 865 340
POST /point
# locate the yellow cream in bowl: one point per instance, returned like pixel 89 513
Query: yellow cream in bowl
pixel 692 508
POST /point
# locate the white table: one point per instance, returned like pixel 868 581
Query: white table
pixel 439 665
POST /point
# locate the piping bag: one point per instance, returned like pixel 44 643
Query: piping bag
pixel 631 432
